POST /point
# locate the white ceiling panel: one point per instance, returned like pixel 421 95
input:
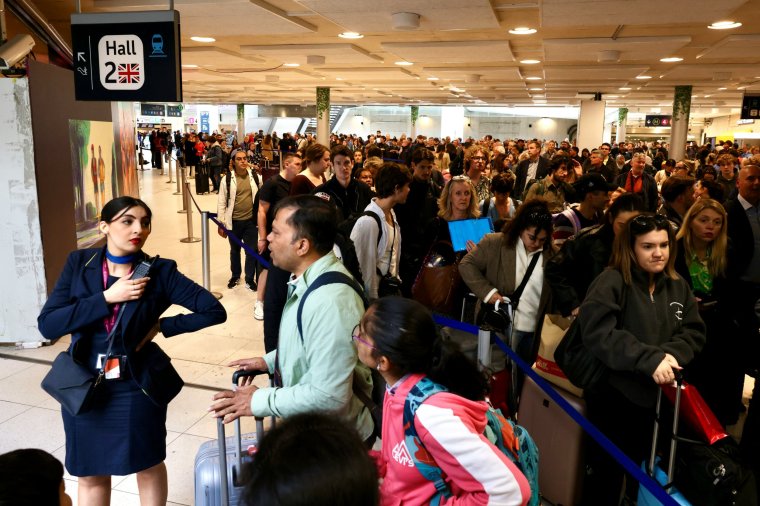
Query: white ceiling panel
pixel 733 47
pixel 723 73
pixel 486 73
pixel 238 18
pixel 334 53
pixel 580 13
pixel 630 48
pixel 370 16
pixel 599 73
pixel 216 57
pixel 470 51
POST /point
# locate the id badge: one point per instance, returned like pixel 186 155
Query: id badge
pixel 112 368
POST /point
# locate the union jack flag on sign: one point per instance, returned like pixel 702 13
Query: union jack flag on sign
pixel 128 73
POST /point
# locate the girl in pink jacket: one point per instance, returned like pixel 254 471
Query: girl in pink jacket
pixel 399 338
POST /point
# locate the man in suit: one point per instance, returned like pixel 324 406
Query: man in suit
pixel 744 278
pixel 639 182
pixel 535 167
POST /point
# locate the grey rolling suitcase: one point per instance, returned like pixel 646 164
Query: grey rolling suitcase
pixel 217 481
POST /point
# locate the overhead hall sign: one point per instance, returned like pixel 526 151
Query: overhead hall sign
pixel 127 56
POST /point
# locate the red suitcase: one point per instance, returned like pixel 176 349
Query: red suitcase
pixel 560 443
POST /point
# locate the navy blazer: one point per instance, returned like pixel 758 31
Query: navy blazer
pixel 77 305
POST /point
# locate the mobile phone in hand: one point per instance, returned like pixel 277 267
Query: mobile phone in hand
pixel 143 268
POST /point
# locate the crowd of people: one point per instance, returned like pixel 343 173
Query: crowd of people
pixel 658 259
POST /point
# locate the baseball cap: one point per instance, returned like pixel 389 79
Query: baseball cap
pixel 592 183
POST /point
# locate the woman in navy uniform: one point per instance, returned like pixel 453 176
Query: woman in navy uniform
pixel 124 431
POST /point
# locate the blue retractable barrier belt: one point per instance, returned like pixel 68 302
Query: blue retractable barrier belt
pixel 235 239
pixel 587 426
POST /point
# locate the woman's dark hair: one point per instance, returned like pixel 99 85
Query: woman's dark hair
pixel 404 332
pixel 120 205
pixel 532 213
pixel 391 177
pixel 503 182
pixel 314 153
pixel 669 162
pixel 30 476
pixel 714 189
pixel 627 202
pixel 311 459
pixel 313 219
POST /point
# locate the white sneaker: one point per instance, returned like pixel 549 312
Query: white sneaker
pixel 258 310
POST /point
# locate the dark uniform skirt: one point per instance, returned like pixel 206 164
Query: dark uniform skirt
pixel 123 433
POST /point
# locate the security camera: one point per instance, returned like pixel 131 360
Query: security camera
pixel 14 50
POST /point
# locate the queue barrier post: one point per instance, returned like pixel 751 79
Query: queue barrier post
pixel 189 213
pixel 206 254
pixel 180 179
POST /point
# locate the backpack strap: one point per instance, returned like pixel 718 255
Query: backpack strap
pixel 379 224
pixel 327 278
pixel 572 216
pixel 418 394
pixel 228 179
pixel 486 206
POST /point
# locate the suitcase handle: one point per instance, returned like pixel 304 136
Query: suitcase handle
pixel 222 442
pixel 674 438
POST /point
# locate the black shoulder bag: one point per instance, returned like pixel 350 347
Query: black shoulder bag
pixel 497 317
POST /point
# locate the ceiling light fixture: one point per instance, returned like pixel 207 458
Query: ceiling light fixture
pixel 291 64
pixel 533 78
pixel 404 63
pixel 203 39
pixel 643 77
pixel 671 59
pixel 522 30
pixel 405 21
pixel 721 89
pixel 432 78
pixel 724 25
pixel 535 89
pixel 350 35
pixel 625 88
pixel 189 66
pixel 338 78
pixel 530 62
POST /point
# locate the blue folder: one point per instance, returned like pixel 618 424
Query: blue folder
pixel 469 230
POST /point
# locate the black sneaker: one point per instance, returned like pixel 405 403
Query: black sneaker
pixel 233 282
pixel 251 285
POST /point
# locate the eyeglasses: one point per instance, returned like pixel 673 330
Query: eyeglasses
pixel 356 336
pixel 478 158
pixel 647 222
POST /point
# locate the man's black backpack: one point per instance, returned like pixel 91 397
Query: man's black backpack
pixel 374 403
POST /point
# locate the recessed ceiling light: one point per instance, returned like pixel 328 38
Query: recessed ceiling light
pixel 189 66
pixel 533 78
pixel 291 64
pixel 432 78
pixel 535 89
pixel 530 62
pixel 708 96
pixel 404 63
pixel 350 35
pixel 203 39
pixel 671 59
pixel 721 89
pixel 724 25
pixel 625 88
pixel 338 78
pixel 522 30
pixel 643 77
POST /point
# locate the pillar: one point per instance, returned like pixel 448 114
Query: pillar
pixel 414 113
pixel 240 123
pixel 679 126
pixel 591 124
pixel 323 116
pixel 452 122
pixel 622 118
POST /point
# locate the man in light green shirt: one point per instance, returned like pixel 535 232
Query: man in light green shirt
pixel 317 369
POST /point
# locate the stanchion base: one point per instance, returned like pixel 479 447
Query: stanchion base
pixel 177 193
pixel 170 181
pixel 218 295
pixel 190 239
pixel 182 211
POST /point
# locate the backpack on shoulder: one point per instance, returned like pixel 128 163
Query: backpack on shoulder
pixel 511 439
pixel 389 285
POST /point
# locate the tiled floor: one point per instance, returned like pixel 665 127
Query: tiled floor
pixel 29 418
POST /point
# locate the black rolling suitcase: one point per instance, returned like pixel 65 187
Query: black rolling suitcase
pixel 218 481
pixel 202 178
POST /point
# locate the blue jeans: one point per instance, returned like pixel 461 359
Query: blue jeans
pixel 246 231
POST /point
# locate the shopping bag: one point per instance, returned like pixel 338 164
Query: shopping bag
pixel 552 332
pixel 696 412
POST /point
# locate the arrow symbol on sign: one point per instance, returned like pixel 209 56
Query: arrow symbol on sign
pixel 80 57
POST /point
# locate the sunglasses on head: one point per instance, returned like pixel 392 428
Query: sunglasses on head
pixel 647 222
pixel 460 177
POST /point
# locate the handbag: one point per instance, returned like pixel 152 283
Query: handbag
pixel 497 318
pixel 438 283
pixel 552 331
pixel 72 384
pixel 581 366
